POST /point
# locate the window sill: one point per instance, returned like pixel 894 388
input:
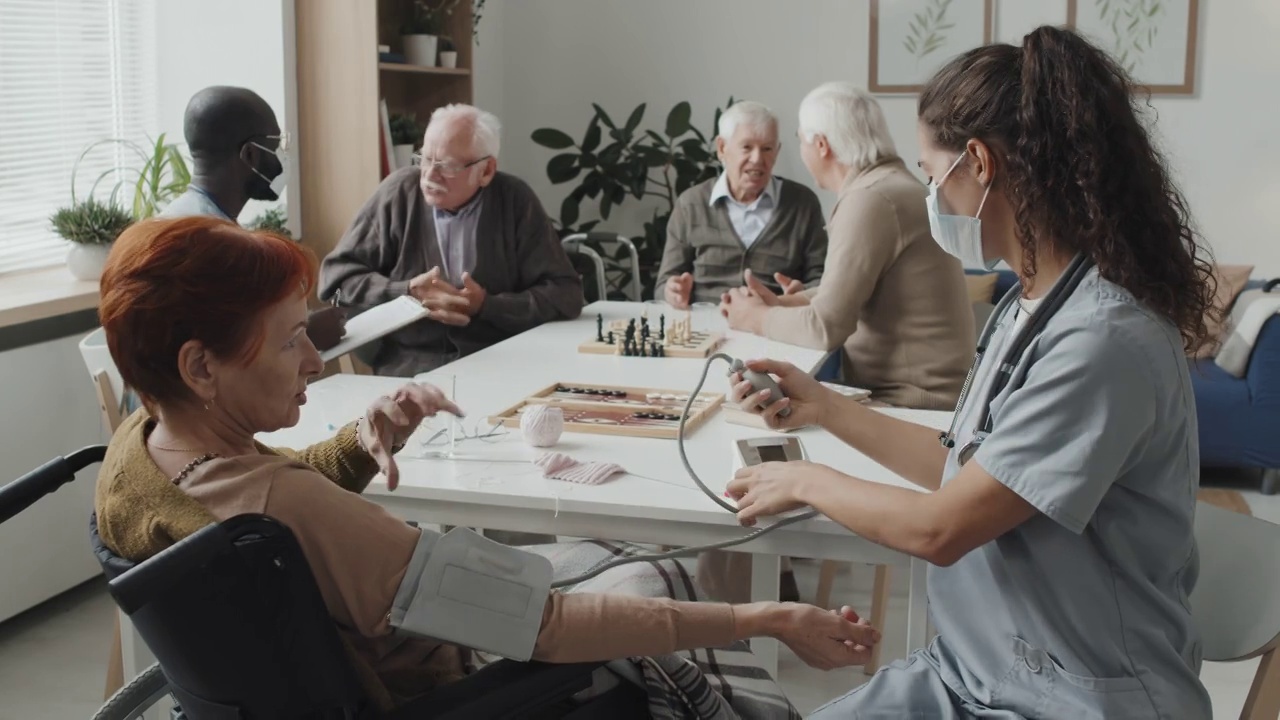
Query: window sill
pixel 38 294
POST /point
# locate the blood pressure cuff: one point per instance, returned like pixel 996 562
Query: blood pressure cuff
pixel 465 589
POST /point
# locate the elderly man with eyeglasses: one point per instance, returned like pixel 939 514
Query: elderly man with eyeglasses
pixel 472 244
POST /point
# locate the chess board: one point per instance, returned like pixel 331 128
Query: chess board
pixel 677 339
pixel 617 410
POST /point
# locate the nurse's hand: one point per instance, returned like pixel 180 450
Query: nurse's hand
pixel 773 488
pixel 810 401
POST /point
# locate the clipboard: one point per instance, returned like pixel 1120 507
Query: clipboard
pixel 376 323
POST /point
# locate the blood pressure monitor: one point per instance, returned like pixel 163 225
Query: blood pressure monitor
pixel 772 448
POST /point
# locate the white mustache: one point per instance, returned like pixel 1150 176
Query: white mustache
pixel 433 187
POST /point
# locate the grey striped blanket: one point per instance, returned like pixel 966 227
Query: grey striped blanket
pixel 707 684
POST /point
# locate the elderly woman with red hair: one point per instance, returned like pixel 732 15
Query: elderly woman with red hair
pixel 207 322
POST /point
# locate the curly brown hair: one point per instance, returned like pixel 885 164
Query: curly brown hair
pixel 1079 166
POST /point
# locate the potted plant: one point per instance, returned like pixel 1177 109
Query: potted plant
pixel 91 226
pixel 274 220
pixel 404 134
pixel 448 52
pixel 420 32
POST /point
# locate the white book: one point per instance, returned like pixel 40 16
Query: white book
pixel 376 323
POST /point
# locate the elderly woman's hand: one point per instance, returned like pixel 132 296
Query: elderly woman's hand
pixel 391 419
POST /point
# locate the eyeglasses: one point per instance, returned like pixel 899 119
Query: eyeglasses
pixel 441 437
pixel 283 142
pixel 447 170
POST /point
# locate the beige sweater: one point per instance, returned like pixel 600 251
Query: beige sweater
pixel 359 553
pixel 889 295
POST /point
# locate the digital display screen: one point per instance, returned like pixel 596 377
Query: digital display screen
pixel 772 453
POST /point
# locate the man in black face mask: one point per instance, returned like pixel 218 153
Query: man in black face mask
pixel 238 155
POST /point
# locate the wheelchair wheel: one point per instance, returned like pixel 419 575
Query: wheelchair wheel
pixel 137 697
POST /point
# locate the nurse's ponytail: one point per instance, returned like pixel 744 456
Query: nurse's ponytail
pixel 1077 165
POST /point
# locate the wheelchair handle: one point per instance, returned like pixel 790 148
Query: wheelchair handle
pixel 26 490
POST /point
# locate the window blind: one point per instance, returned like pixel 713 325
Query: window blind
pixel 72 72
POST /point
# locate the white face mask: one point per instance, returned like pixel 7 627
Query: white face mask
pixel 278 182
pixel 959 235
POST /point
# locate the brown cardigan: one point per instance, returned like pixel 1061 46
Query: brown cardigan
pixel 890 296
pixel 519 262
pixel 359 553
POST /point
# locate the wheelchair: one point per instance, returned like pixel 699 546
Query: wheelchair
pixel 240 631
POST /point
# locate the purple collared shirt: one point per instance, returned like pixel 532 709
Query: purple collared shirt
pixel 456 235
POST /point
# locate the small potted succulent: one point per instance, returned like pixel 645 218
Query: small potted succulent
pixel 405 133
pixel 448 52
pixel 420 33
pixel 91 226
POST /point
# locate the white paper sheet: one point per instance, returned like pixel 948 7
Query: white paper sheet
pixel 375 323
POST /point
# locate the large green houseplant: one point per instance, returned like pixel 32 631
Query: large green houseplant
pixel 615 161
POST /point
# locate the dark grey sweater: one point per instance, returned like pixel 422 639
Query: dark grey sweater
pixel 519 262
pixel 701 240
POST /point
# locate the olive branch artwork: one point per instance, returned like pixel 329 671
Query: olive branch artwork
pixel 928 30
pixel 1134 25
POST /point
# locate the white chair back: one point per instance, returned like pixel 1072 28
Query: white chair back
pixel 105 377
pixel 1236 601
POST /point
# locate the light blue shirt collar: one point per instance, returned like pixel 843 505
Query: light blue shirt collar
pixel 721 190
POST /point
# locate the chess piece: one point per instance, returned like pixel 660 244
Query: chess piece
pixel 610 340
pixel 599 327
pixel 662 327
pixel 662 351
pixel 617 347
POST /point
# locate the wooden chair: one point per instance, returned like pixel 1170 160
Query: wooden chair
pixel 109 389
pixel 879 600
pixel 1236 601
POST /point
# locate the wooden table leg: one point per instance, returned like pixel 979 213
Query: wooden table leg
pixel 1264 694
pixel 115 661
pixel 879 603
pixel 826 578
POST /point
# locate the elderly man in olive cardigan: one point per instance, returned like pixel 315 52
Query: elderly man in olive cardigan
pixel 473 245
pixel 745 219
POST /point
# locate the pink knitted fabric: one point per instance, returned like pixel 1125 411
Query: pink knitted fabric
pixel 562 467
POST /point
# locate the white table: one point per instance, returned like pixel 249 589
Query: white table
pixel 494 485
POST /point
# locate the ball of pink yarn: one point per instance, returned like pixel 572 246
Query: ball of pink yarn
pixel 541 425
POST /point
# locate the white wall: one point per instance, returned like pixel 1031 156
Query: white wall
pixel 49 409
pixel 229 42
pixel 558 56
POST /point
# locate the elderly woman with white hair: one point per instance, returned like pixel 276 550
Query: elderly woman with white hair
pixel 470 243
pixel 747 219
pixel 894 300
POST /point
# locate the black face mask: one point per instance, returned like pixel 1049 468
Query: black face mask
pixel 258 186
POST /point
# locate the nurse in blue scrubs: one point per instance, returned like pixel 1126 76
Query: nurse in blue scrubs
pixel 1058 522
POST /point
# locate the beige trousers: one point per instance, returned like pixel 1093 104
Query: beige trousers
pixel 726 576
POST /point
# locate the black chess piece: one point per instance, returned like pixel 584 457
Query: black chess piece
pixel 662 350
pixel 610 340
pixel 599 327
pixel 662 327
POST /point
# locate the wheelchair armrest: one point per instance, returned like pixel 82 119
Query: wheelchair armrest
pixel 499 690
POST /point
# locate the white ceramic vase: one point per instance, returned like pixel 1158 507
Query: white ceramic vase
pixel 420 49
pixel 449 58
pixel 86 261
pixel 403 155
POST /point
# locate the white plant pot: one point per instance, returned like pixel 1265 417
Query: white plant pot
pixel 449 58
pixel 420 49
pixel 403 155
pixel 86 261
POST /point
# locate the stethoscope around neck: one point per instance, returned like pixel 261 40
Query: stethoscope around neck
pixel 1053 301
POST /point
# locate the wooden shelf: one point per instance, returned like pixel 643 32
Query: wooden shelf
pixel 422 69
